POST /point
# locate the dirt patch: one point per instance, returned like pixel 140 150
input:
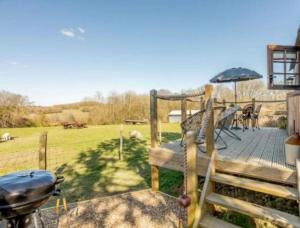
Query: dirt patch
pixel 136 209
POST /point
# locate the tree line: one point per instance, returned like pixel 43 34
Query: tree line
pixel 17 111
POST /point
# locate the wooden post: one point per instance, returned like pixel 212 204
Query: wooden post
pixel 153 118
pixel 210 151
pixel 191 176
pixel 183 112
pixel 270 67
pixel 43 151
pixel 209 134
pixel 209 186
pixel 203 208
pixel 224 103
pixel 252 119
pixel 121 143
pixel 154 143
pixel 208 91
pixel 253 104
pixel 202 104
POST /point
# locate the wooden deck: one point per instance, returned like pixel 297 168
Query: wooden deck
pixel 259 154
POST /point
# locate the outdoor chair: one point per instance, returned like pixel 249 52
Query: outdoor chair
pixel 192 123
pixel 198 123
pixel 223 123
pixel 246 116
pixel 255 116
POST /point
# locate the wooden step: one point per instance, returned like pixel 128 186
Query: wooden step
pixel 258 186
pixel 209 221
pixel 256 211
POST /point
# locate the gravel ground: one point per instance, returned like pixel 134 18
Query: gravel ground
pixel 136 209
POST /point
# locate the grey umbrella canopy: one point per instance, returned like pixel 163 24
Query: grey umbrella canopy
pixel 235 75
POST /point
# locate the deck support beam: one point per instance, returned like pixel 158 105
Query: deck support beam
pixel 209 186
pixel 191 176
pixel 154 140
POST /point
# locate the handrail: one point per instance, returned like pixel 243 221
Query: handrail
pixel 271 101
pixel 178 97
pixel 194 100
pixel 246 102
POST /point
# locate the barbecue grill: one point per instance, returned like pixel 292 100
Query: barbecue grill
pixel 22 193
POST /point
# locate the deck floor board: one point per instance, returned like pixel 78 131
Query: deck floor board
pixel 258 152
pixel 264 147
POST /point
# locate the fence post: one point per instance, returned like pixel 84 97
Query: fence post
pixel 154 143
pixel 43 151
pixel 191 176
pixel 224 102
pixel 121 143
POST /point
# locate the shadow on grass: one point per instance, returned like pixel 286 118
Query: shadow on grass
pixel 99 172
pixel 170 136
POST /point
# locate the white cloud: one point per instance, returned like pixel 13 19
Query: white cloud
pixel 81 30
pixel 17 64
pixel 74 33
pixel 68 32
pixel 12 62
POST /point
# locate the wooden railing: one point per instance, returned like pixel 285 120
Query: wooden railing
pixel 253 101
pixel 190 170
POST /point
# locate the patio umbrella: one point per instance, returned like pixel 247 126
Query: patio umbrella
pixel 235 75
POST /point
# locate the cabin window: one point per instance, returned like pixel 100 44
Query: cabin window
pixel 283 67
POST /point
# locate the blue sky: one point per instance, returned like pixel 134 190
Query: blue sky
pixel 62 51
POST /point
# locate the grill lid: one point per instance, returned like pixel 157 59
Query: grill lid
pixel 25 187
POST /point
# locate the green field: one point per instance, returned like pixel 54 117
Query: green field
pixel 88 158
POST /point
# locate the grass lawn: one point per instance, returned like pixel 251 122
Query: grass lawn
pixel 88 158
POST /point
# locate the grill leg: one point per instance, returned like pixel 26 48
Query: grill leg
pixel 19 222
pixel 3 223
pixel 35 221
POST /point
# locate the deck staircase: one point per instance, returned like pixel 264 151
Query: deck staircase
pixel 209 199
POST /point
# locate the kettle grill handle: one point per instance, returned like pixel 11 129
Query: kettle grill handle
pixel 59 179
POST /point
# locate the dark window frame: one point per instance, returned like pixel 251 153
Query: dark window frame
pixel 291 80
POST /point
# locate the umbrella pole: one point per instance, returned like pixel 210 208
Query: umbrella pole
pixel 235 102
pixel 235 95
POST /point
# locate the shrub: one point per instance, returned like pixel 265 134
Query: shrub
pixel 282 122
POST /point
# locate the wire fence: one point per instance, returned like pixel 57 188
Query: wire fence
pixel 54 157
pixel 17 161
